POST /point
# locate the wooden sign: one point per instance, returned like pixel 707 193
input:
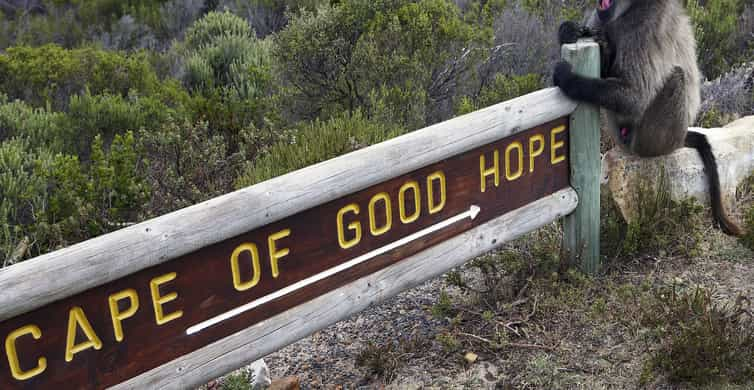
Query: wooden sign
pixel 123 328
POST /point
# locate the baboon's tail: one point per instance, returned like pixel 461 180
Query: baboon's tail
pixel 699 142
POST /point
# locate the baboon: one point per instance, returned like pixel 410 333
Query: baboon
pixel 650 82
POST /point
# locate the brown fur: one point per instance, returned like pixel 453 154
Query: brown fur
pixel 650 82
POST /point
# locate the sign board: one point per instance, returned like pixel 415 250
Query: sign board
pixel 113 332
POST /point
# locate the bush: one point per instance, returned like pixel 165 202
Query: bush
pixel 58 25
pixel 187 164
pixel 107 115
pixel 361 55
pixel 501 89
pixel 50 74
pixel 268 16
pixel 103 13
pixel 525 42
pixel 715 23
pixel 701 341
pixel 50 200
pixel 37 126
pixel 229 72
pixel 117 188
pixel 315 142
pixel 214 25
pixel 727 97
pixel 662 226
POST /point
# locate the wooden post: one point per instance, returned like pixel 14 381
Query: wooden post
pixel 582 227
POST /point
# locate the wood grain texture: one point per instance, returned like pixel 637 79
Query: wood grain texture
pixel 274 333
pixel 582 228
pixel 531 165
pixel 48 278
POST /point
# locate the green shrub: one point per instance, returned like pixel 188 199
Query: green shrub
pixel 662 226
pixel 50 74
pixel 715 23
pixel 59 25
pixel 569 9
pixel 315 142
pixel 50 200
pixel 372 55
pixel 239 380
pixel 714 118
pixel 117 188
pixel 701 341
pixel 103 13
pixel 502 88
pixel 214 25
pixel 38 126
pixel 107 115
pixel 221 51
pixel 229 72
pixel 187 164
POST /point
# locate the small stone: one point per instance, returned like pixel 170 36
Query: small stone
pixel 471 357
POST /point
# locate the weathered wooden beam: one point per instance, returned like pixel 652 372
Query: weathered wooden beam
pixel 582 228
pixel 37 282
pixel 274 333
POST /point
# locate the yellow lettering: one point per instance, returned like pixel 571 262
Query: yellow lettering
pixel 77 319
pixel 355 226
pixel 513 176
pixel 494 171
pixel 388 214
pixel 235 268
pixel 535 152
pixel 554 146
pixel 159 300
pixel 435 207
pixel 414 186
pixel 116 315
pixel 10 351
pixel 276 254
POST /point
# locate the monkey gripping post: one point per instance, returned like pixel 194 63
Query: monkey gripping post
pixel 582 227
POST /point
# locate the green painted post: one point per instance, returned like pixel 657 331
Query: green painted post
pixel 582 227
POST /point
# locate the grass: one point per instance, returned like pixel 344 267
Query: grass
pixel 661 227
pixel 701 341
pixel 239 380
pixel 519 304
pixel 384 360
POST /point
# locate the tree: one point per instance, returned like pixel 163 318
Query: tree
pixel 389 58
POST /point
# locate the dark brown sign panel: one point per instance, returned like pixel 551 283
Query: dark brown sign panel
pixel 111 333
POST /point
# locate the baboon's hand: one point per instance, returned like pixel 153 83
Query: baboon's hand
pixel 569 32
pixel 563 73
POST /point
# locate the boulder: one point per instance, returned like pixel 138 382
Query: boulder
pixel 732 145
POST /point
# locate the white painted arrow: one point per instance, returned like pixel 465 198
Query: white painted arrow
pixel 471 213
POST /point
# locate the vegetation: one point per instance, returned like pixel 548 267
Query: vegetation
pixel 702 341
pixel 116 111
pixel 661 227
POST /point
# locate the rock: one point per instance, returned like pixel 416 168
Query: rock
pixel 732 145
pixel 261 374
pixel 285 383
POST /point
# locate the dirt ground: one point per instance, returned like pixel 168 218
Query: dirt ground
pixel 546 333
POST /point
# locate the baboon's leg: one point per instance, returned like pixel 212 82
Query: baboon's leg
pixel 663 126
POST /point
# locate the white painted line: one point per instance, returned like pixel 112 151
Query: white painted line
pixel 471 213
